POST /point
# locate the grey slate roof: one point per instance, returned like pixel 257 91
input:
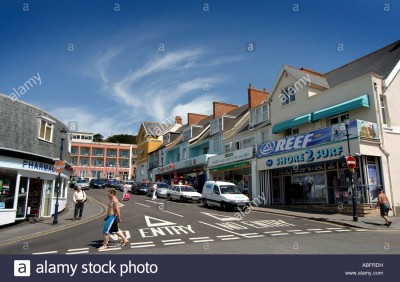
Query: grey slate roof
pixel 381 62
pixel 314 79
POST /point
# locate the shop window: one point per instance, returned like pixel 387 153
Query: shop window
pixel 8 180
pixel 46 130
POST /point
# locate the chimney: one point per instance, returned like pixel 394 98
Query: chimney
pixel 220 109
pixel 195 118
pixel 256 97
pixel 178 120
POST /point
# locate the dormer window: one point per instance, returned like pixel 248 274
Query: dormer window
pixel 187 134
pixel 216 126
pixel 258 115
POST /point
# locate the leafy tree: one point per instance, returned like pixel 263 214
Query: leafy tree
pixel 122 138
pixel 98 137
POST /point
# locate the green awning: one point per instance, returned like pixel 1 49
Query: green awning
pixel 362 101
pixel 291 123
pixel 230 166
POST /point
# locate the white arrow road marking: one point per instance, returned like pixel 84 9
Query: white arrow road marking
pixel 160 222
pixel 221 217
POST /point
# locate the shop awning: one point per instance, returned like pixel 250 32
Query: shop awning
pixel 230 166
pixel 362 101
pixel 291 123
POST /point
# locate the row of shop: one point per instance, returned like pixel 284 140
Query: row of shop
pixel 314 173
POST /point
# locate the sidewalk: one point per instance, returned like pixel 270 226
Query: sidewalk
pixel 372 223
pixel 24 230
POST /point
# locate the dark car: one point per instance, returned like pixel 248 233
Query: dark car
pixel 99 183
pixel 140 188
pixel 111 183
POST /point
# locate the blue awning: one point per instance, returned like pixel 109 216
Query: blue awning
pixel 291 123
pixel 362 101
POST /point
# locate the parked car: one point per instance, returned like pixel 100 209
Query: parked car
pixel 223 194
pixel 160 185
pixel 82 183
pixel 128 182
pixel 111 183
pixel 140 188
pixel 74 179
pixel 99 183
pixel 183 193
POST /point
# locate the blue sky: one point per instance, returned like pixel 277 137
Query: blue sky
pixel 151 60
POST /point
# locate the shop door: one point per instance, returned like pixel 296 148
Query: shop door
pixel 22 197
pixel 46 211
pixel 276 191
pixel 35 196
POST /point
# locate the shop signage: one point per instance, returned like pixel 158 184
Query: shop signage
pixel 308 169
pixel 331 134
pixel 197 161
pixel 234 156
pixel 229 166
pixel 300 157
pixel 37 166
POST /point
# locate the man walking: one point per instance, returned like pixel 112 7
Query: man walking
pixel 112 220
pixel 383 203
pixel 79 200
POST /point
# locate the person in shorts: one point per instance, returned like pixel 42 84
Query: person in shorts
pixel 112 220
pixel 383 203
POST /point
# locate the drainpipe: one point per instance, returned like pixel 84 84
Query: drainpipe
pixel 382 143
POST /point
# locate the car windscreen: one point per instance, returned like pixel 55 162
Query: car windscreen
pixel 187 189
pixel 162 185
pixel 229 189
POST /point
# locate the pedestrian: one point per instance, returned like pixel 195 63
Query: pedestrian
pixel 79 200
pixel 383 203
pixel 112 220
pixel 125 190
pixel 154 191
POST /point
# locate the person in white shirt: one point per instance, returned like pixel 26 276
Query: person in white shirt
pixel 125 188
pixel 79 200
pixel 154 191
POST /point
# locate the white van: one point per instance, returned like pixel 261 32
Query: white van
pixel 223 194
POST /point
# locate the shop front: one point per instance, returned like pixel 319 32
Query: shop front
pixel 234 167
pixel 27 189
pixel 311 168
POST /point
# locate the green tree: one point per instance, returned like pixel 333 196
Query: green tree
pixel 122 138
pixel 98 137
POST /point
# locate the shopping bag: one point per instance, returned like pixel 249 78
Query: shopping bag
pixel 126 197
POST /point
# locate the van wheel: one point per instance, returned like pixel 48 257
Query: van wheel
pixel 205 203
pixel 223 206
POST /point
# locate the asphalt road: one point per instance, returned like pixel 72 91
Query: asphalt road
pixel 170 227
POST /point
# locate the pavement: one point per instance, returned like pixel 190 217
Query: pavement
pixel 94 209
pixel 24 230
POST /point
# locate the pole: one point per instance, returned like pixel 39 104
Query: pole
pixel 354 191
pixel 55 220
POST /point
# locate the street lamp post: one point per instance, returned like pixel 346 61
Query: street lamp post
pixel 55 220
pixel 353 190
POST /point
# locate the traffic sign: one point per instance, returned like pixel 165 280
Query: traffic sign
pixel 59 166
pixel 351 162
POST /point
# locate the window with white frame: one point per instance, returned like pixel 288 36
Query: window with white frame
pixel 187 134
pixel 265 136
pixel 216 126
pixel 258 115
pixel 245 143
pixel 46 130
pixel 216 145
pixel 291 131
pixel 383 109
pixel 288 95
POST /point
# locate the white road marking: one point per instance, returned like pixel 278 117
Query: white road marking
pixel 45 253
pixel 294 230
pixel 76 253
pixel 121 205
pixel 343 230
pixel 224 236
pixel 221 217
pixel 325 231
pixel 75 250
pixel 255 236
pixel 279 234
pixel 249 234
pixel 333 228
pixel 110 249
pixel 231 238
pixel 173 213
pixel 161 222
pixel 157 203
pixel 271 232
pixel 172 240
pixel 142 243
pixel 203 241
pixel 360 230
pixel 199 238
pixel 143 205
pixel 174 243
pixel 143 246
pixel 301 233
pixel 315 229
pixel 220 228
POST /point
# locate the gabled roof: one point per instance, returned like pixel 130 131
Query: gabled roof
pixel 155 128
pixel 380 62
pixel 307 75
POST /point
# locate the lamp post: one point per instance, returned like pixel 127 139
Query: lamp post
pixel 55 220
pixel 353 190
